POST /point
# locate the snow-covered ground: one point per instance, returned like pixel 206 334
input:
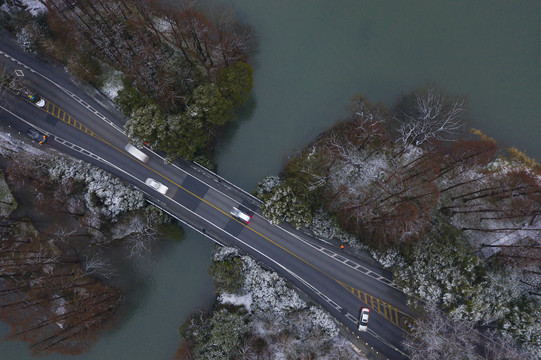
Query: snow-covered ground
pixel 34 7
pixel 113 84
pixel 237 300
pixel 276 309
pixel 9 144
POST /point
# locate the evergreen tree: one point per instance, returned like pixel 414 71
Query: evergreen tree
pixel 282 204
pixel 235 82
pixel 185 137
pixel 147 124
pixel 209 105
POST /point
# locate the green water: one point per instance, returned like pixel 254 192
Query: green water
pixel 314 55
pixel 167 288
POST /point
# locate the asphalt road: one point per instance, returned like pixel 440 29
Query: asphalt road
pixel 81 122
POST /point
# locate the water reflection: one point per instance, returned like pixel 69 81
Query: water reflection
pixel 163 292
pixel 315 55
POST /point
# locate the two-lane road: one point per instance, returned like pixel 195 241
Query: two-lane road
pixel 81 125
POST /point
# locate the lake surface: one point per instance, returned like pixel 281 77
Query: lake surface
pixel 314 55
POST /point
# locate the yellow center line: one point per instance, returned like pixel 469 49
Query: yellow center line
pixel 208 203
pixel 347 287
pixel 389 312
pixel 60 114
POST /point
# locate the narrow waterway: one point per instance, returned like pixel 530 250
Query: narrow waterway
pixel 314 55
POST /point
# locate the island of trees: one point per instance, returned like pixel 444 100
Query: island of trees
pixel 455 217
pixel 452 215
pixel 257 316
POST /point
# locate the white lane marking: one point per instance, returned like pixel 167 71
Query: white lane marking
pixel 85 104
pixel 71 145
pixel 346 261
pixel 332 255
pixel 72 95
pixel 298 277
pixel 102 104
pixel 61 140
pixel 374 334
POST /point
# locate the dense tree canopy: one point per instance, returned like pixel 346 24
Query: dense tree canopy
pixel 189 132
pixel 208 105
pixel 235 82
pixel 405 180
pixel 184 67
pixel 147 124
pixel 215 337
pixel 282 204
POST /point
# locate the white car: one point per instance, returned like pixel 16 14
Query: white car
pixel 363 319
pixel 159 187
pixel 241 215
pixel 141 156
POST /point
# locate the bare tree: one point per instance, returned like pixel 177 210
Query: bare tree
pixel 428 114
pixel 57 308
pixel 24 168
pixel 143 235
pixel 234 40
pixel 97 265
pixel 525 256
pixel 514 196
pixel 246 350
pixel 367 123
pixel 437 336
pixel 501 346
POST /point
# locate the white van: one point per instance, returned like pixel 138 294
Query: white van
pixel 141 156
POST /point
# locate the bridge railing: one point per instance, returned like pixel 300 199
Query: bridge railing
pixel 221 179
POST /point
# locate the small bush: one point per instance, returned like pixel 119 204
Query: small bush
pixel 227 274
pixel 129 98
pixel 206 162
pixel 13 20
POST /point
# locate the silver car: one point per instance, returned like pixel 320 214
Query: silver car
pixel 159 187
pixel 141 156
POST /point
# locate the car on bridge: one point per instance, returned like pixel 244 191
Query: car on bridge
pixel 241 215
pixel 159 187
pixel 363 319
pixel 141 156
pixel 36 135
